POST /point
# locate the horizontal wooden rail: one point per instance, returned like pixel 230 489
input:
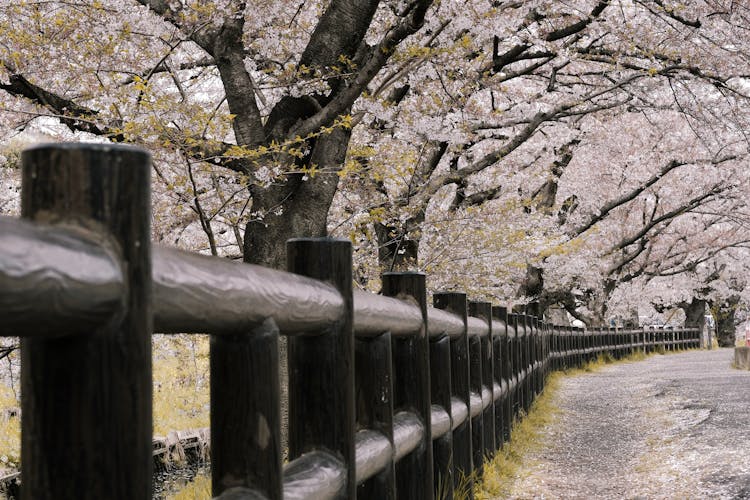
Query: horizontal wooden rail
pixel 476 327
pixel 202 294
pixel 55 280
pixel 316 474
pixel 63 279
pixel 376 314
pixel 440 323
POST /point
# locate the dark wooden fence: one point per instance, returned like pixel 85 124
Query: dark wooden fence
pixel 388 396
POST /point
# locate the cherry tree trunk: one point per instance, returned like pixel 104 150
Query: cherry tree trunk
pixel 298 208
pixel 695 315
pixel 725 322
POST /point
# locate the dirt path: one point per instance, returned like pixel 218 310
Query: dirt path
pixel 675 426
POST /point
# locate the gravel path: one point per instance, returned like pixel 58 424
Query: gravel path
pixel 675 426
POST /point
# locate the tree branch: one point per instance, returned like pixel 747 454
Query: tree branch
pixel 412 21
pixel 691 204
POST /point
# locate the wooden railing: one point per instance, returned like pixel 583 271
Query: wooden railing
pixel 388 397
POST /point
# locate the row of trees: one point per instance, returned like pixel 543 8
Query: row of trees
pixel 586 154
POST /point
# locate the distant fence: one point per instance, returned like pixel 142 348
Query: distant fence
pixel 388 397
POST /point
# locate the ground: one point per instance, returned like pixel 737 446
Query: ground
pixel 671 426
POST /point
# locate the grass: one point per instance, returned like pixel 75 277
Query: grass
pixel 505 468
pixel 181 392
pixel 501 472
pixel 10 442
pixel 10 431
pixel 197 489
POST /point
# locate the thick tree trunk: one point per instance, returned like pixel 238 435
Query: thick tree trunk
pixel 695 313
pixel 533 284
pixel 695 317
pixel 725 321
pixel 296 208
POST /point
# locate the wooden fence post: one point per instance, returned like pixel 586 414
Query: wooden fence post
pixel 440 393
pixel 536 358
pixel 321 367
pixel 501 370
pixel 480 351
pixel 528 353
pixel 245 411
pixel 515 367
pixel 455 302
pixel 86 397
pixel 411 388
pixel 484 310
pixel 374 402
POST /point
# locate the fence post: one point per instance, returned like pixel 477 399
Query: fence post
pixel 529 353
pixel 537 355
pixel 582 337
pixel 483 435
pixel 245 411
pixel 534 311
pixel 440 392
pixel 86 397
pixel 515 368
pixel 374 402
pixel 411 387
pixel 500 381
pixel 488 369
pixel 455 303
pixel 518 363
pixel 321 367
pixel 558 346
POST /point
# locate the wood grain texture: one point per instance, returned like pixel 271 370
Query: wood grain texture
pixel 411 375
pixel 55 280
pixel 321 365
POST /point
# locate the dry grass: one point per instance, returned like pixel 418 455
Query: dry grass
pixel 10 443
pixel 10 431
pixel 181 388
pixel 197 489
pixel 502 471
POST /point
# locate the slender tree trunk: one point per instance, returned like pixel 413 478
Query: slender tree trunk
pixel 397 251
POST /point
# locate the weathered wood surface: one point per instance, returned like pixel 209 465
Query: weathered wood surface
pixel 87 397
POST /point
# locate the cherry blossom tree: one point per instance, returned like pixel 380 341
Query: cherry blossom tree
pixel 506 142
pixel 524 150
pixel 249 100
